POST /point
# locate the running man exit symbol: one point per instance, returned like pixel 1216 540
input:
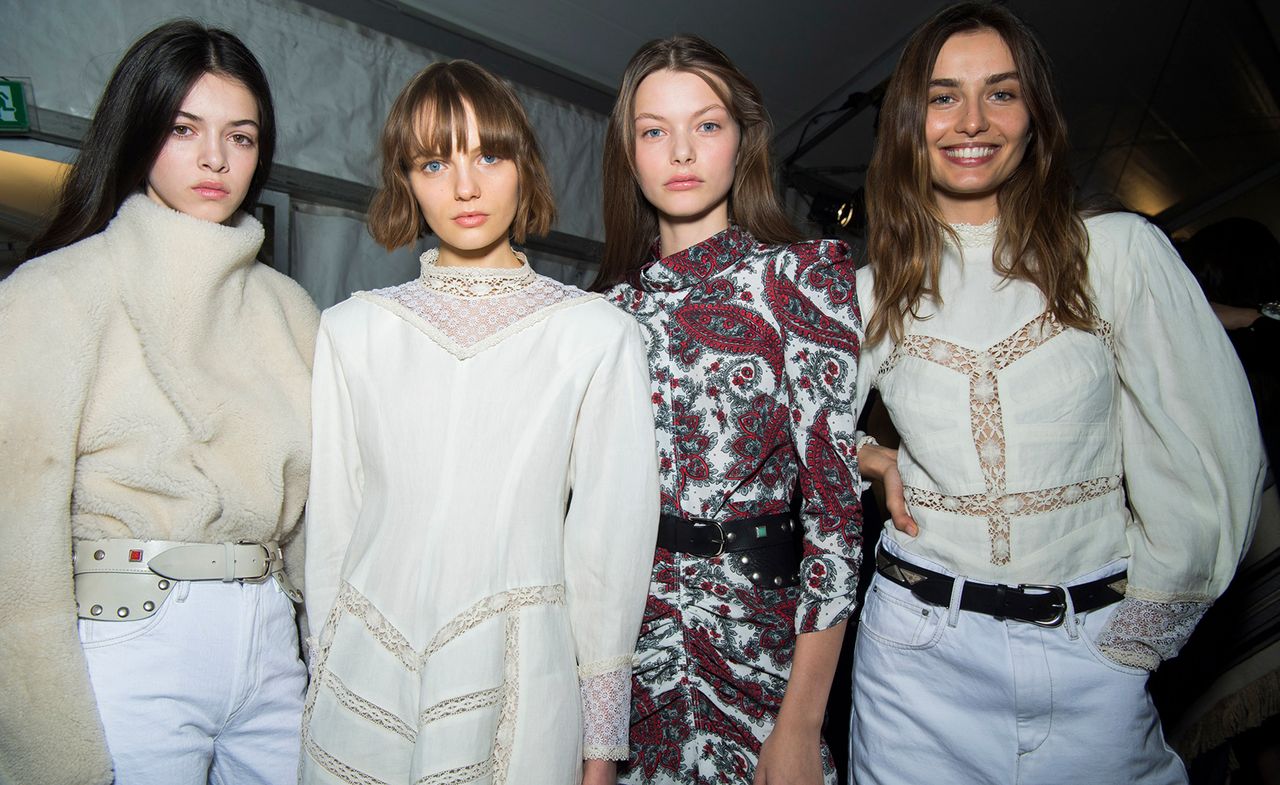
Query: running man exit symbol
pixel 13 107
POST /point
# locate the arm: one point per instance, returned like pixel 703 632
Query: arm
pixel 816 305
pixel 337 481
pixel 609 535
pixel 50 732
pixel 1191 451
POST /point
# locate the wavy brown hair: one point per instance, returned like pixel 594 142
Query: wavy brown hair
pixel 1041 238
pixel 630 222
pixel 428 119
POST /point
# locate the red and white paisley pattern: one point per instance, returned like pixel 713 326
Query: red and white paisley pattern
pixel 753 353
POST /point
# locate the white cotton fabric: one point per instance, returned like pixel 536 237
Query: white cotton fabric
pixel 948 696
pixel 1032 453
pixel 481 531
pixel 233 719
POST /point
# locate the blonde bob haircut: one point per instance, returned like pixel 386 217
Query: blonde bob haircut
pixel 428 120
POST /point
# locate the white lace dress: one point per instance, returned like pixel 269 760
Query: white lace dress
pixel 479 532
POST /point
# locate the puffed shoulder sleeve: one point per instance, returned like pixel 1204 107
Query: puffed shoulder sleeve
pixel 811 292
pixel 609 536
pixel 49 726
pixel 337 479
pixel 1192 452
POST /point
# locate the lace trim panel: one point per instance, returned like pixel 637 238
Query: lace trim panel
pixel 504 738
pixel 460 705
pixel 606 714
pixel 986 424
pixel 1141 633
pixel 459 775
pixel 605 666
pixel 470 282
pixel 363 707
pixel 383 631
pixel 977 235
pixel 336 767
pixel 511 600
pixel 466 327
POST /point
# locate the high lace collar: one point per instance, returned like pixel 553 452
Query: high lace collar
pixel 696 263
pixel 977 235
pixel 474 281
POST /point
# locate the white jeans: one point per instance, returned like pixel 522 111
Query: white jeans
pixel 208 690
pixel 943 696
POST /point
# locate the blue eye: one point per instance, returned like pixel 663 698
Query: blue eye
pixel 709 127
pixel 432 167
pixel 941 99
pixel 489 159
pixel 651 133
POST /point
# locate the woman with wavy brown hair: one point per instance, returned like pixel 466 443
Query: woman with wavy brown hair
pixel 753 345
pixel 1071 508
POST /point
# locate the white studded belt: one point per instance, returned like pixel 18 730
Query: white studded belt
pixel 127 580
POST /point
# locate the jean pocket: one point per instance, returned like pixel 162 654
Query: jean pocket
pixel 96 634
pixel 895 617
pixel 1091 626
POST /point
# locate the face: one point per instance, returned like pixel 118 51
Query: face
pixel 977 125
pixel 208 160
pixel 686 143
pixel 469 200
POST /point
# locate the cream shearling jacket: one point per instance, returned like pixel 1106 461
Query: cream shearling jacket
pixel 154 383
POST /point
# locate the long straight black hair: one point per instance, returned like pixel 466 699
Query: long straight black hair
pixel 134 117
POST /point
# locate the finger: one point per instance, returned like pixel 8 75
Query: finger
pixel 895 500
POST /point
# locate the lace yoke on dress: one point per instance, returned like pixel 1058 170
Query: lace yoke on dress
pixel 472 306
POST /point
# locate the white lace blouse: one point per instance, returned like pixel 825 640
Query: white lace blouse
pixel 1035 453
pixel 480 531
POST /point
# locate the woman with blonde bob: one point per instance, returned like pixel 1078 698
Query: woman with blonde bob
pixel 1080 459
pixel 485 482
pixel 753 347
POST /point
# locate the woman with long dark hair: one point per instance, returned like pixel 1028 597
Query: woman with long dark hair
pixel 1079 455
pixel 154 444
pixel 753 349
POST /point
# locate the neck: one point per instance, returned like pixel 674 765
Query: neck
pixel 496 255
pixel 967 210
pixel 677 234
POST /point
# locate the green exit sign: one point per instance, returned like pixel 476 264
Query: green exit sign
pixel 13 107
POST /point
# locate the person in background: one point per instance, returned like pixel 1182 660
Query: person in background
pixel 155 444
pixel 484 486
pixel 753 341
pixel 1079 455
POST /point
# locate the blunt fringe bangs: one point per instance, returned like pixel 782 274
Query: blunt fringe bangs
pixel 1041 237
pixel 134 117
pixel 630 222
pixel 428 119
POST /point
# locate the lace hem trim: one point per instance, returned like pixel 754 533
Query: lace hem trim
pixel 605 666
pixel 1142 634
pixel 336 767
pixel 606 753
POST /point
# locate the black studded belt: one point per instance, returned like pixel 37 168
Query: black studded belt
pixel 1042 604
pixel 765 548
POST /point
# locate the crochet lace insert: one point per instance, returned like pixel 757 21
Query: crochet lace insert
pixel 1142 633
pixel 606 709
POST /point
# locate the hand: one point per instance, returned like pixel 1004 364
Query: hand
pixel 876 462
pixel 790 757
pixel 599 772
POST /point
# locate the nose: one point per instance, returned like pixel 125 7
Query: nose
pixel 466 187
pixel 682 149
pixel 212 156
pixel 973 119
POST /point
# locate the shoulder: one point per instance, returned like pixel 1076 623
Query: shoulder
pixel 1127 244
pixel 807 253
pixel 1117 230
pixel 70 277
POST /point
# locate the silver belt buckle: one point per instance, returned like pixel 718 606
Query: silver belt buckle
pixel 1060 606
pixel 719 531
pixel 267 562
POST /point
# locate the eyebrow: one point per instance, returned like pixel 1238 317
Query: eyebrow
pixel 197 118
pixel 699 113
pixel 993 79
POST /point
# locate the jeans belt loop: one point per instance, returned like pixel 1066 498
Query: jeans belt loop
pixel 953 609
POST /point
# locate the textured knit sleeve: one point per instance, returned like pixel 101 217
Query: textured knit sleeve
pixel 50 732
pixel 1192 452
pixel 609 537
pixel 337 480
pixel 812 295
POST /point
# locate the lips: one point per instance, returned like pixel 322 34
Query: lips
pixel 470 220
pixel 682 182
pixel 970 155
pixel 211 189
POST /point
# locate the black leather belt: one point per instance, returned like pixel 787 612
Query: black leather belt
pixel 765 548
pixel 1042 604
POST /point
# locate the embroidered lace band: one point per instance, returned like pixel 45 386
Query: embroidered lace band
pixel 474 281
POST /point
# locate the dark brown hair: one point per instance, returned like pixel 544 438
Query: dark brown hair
pixel 135 117
pixel 630 222
pixel 1041 238
pixel 428 119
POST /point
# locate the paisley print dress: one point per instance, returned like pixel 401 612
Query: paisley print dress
pixel 753 353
